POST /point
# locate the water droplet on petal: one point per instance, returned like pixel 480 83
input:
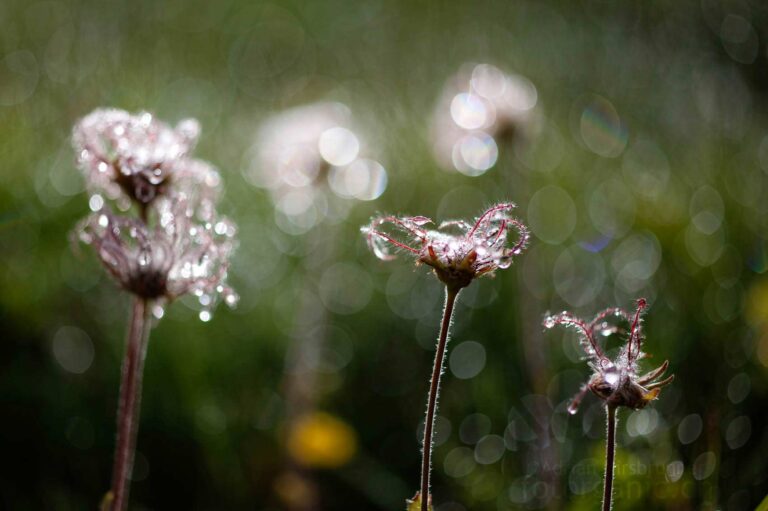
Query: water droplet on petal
pixel 205 316
pixel 420 220
pixel 96 202
pixel 611 376
pixel 573 407
pixel 156 176
pixel 144 258
pixel 380 247
pixel 504 262
pixel 221 228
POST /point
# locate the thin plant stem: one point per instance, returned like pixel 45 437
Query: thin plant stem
pixel 434 391
pixel 610 452
pixel 128 405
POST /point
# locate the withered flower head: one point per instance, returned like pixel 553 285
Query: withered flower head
pixel 130 156
pixel 617 381
pixel 457 250
pixel 177 256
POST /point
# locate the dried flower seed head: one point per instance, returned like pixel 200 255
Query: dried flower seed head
pixel 458 251
pixel 130 157
pixel 617 381
pixel 179 256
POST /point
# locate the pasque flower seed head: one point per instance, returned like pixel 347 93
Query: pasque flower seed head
pixel 458 251
pixel 616 381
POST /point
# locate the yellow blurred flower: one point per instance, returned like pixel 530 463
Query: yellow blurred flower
pixel 322 440
pixel 757 303
pixel 757 316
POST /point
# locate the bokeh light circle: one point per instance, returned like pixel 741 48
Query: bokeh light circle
pixel 338 146
pixel 578 276
pixel 467 360
pixel 601 128
pixel 552 214
pixel 468 111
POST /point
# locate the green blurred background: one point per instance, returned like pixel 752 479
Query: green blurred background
pixel 645 174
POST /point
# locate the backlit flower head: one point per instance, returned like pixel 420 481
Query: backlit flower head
pixel 131 157
pixel 176 257
pixel 480 107
pixel 616 381
pixel 310 158
pixel 457 250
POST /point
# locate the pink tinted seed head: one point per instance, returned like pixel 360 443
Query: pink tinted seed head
pixel 458 251
pixel 176 257
pixel 616 381
pixel 130 157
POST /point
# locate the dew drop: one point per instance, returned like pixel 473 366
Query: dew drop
pixel 144 258
pixel 156 177
pixel 205 316
pixel 549 322
pixel 231 299
pixel 573 407
pixel 221 228
pixel 504 262
pixel 380 248
pixel 96 202
pixel 611 376
pixel 420 220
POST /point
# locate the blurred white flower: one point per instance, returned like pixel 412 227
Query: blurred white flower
pixel 308 156
pixel 479 107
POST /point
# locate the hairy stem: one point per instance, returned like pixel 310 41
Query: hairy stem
pixel 610 452
pixel 128 405
pixel 434 391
